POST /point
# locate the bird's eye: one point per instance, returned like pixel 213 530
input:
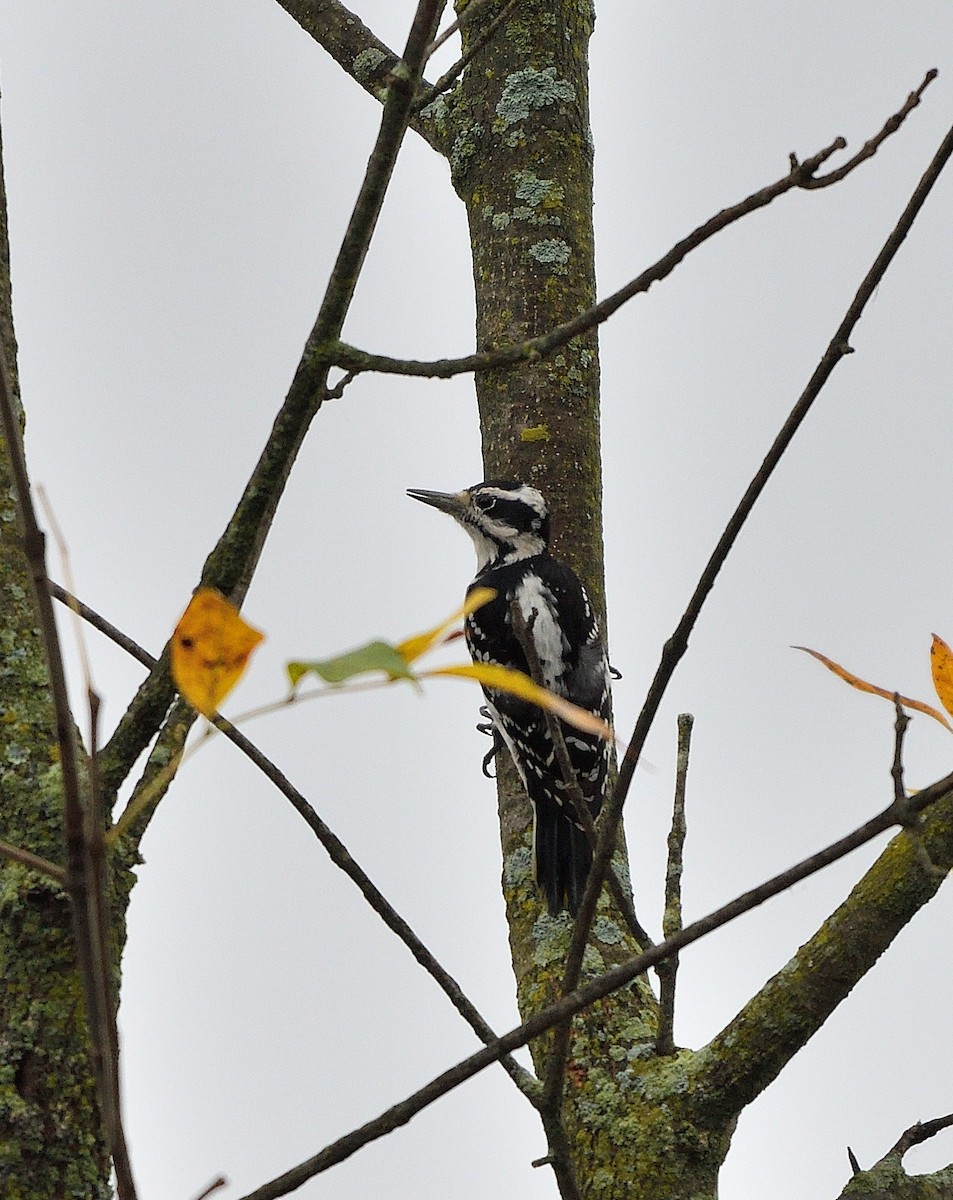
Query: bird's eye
pixel 484 503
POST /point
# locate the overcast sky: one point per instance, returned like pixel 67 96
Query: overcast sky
pixel 179 175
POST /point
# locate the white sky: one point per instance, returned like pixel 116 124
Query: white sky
pixel 179 175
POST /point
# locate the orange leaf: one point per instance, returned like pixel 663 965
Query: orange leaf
pixel 210 650
pixel 863 686
pixel 941 664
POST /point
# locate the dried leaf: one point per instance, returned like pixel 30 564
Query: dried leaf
pixel 863 686
pixel 941 665
pixel 505 679
pixel 414 647
pixel 210 650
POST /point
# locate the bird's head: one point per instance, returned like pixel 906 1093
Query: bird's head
pixel 507 521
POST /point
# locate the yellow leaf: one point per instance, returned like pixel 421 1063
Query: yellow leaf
pixel 210 650
pixel 414 647
pixel 505 679
pixel 941 664
pixel 863 686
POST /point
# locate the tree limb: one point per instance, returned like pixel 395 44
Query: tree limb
pixel 675 647
pixel 672 912
pixel 232 563
pixel 887 1180
pixel 337 852
pixel 360 53
pixel 801 175
pixel 399 1114
pixel 753 1048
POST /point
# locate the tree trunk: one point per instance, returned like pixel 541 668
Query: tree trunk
pixel 51 1143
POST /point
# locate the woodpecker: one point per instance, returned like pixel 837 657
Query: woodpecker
pixel 509 524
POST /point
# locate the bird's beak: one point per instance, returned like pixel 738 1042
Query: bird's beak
pixel 454 503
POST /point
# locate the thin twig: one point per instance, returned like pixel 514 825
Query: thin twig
pixel 446 80
pixel 465 18
pixel 91 617
pixel 802 175
pixel 338 854
pixel 360 53
pixel 870 147
pixel 617 977
pixel 677 644
pixel 672 914
pixel 560 1153
pixel 918 1133
pixel 95 824
pixel 27 858
pixel 220 1182
pixel 341 857
pixel 900 729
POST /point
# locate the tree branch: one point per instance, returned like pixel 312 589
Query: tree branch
pixel 232 563
pixel 26 858
pixel 887 1180
pixel 360 53
pixel 672 913
pixel 801 175
pixel 618 977
pixel 675 647
pixel 337 852
pixel 750 1051
pixel 448 78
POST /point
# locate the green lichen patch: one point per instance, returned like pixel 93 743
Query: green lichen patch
pixel 528 90
pixel 366 63
pixel 538 192
pixel 551 252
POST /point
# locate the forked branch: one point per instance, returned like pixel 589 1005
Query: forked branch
pixel 801 175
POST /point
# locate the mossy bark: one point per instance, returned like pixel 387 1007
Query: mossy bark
pixel 51 1144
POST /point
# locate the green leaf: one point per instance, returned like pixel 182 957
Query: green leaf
pixel 375 656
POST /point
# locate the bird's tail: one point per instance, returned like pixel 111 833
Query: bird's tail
pixel 563 858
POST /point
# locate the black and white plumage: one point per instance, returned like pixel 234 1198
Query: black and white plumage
pixel 509 524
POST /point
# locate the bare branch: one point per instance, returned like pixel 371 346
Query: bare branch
pixel 447 79
pixel 359 52
pixel 619 976
pixel 337 852
pixel 217 1183
pixel 900 729
pixel 801 175
pixel 675 647
pixel 91 617
pixel 341 857
pixel 870 147
pixel 232 563
pixel 887 1177
pixel 466 17
pixel 27 858
pixel 920 1132
pixel 672 915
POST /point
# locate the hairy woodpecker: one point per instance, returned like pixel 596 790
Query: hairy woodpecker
pixel 509 524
